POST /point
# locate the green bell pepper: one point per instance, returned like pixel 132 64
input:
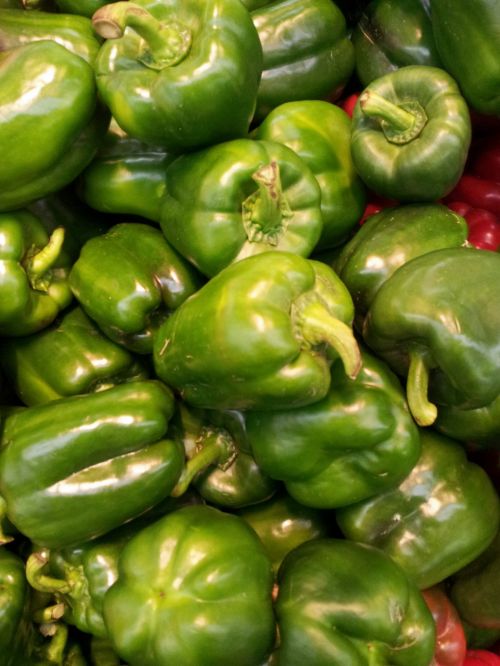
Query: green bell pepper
pixel 101 457
pixel 14 606
pixel 440 518
pixel 467 35
pixel 282 524
pixel 75 33
pixel 126 176
pixel 357 442
pixel 475 589
pixel 411 133
pixel 391 34
pixel 346 603
pixel 320 133
pixel 480 426
pixel 445 338
pixel 128 280
pixel 171 69
pixel 34 274
pixel 44 151
pixel 238 199
pixel 389 239
pixel 307 52
pixel 204 577
pixel 259 335
pixel 81 7
pixel 87 361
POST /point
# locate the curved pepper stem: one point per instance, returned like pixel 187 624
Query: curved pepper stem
pixel 53 653
pixel 423 411
pixel 213 447
pixel 166 44
pixel 38 264
pixel 36 577
pixel 102 653
pixel 315 325
pixel 266 211
pixel 401 123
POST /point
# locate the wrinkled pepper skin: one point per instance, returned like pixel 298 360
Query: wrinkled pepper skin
pixel 63 141
pixel 87 361
pixel 103 457
pixel 346 603
pixel 411 133
pixel 205 577
pixel 475 590
pixel 307 52
pixel 75 33
pixel 238 199
pixel 320 133
pixel 265 320
pixel 179 51
pixel 126 176
pixel 34 274
pixel 129 304
pixel 391 34
pixel 389 239
pixel 14 600
pixel 441 336
pixel 451 644
pixel 440 518
pixel 467 35
pixel 357 442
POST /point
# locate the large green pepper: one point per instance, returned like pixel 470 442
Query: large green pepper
pixel 193 588
pixel 444 337
pixel 34 274
pixel 77 467
pixel 259 335
pixel 14 602
pixel 238 199
pixel 44 151
pixel 411 134
pixel 440 518
pixel 179 73
pixel 467 35
pixel 307 52
pixel 389 239
pixel 126 176
pixel 128 280
pixel 346 603
pixel 391 34
pixel 81 7
pixel 87 360
pixel 358 441
pixel 320 133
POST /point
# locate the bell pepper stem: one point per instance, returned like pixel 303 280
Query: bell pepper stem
pixel 4 538
pixel 166 44
pixel 213 447
pixel 401 123
pixel 266 211
pixel 49 614
pixel 316 326
pixel 36 577
pixel 38 264
pixel 423 411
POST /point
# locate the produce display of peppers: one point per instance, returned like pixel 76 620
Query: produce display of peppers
pixel 250 333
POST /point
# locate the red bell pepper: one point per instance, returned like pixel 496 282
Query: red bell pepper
pixel 481 658
pixel 450 636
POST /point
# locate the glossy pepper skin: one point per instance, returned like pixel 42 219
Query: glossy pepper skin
pixel 87 361
pixel 391 34
pixel 128 304
pixel 389 239
pixel 126 176
pixel 167 47
pixel 34 274
pixel 238 199
pixel 357 442
pixel 411 133
pixel 346 603
pixel 14 601
pixel 440 518
pixel 205 577
pixel 271 324
pixel 103 457
pixel 33 76
pixel 307 52
pixel 477 67
pixel 443 338
pixel 320 133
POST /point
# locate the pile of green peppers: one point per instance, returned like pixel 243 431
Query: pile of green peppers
pixel 243 412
